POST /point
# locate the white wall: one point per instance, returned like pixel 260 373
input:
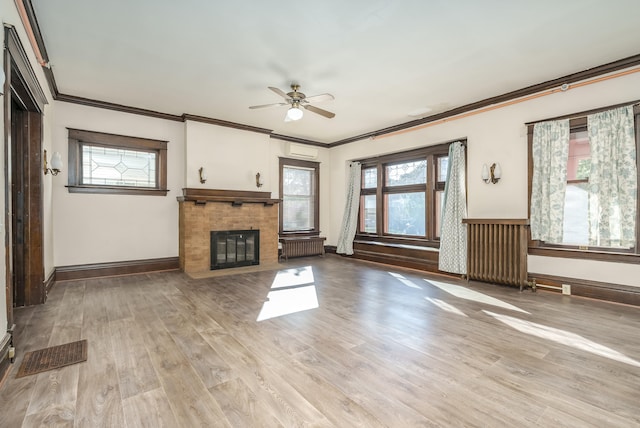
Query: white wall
pixel 499 136
pixel 98 228
pixel 232 157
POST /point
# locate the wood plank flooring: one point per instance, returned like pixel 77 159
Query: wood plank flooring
pixel 375 347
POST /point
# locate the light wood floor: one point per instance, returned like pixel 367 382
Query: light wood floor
pixel 383 347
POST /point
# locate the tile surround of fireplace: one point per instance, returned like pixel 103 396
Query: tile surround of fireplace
pixel 202 211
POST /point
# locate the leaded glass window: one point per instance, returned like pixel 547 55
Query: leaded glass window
pixel 118 167
pixel 405 173
pixel 110 163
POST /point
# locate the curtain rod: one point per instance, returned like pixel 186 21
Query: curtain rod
pixel 563 88
pixel 585 113
pixel 462 140
pixel 22 12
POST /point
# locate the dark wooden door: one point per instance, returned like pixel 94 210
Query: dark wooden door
pixel 26 208
pixel 16 209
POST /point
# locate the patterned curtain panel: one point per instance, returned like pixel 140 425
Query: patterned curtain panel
pixel 613 178
pixel 350 218
pixel 550 154
pixel 453 234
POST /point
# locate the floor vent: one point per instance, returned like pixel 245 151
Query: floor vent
pixel 54 357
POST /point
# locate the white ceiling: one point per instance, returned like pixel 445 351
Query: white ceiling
pixel 381 59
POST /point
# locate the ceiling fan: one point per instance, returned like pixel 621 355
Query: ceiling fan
pixel 297 100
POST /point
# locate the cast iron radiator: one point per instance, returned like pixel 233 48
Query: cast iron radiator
pixel 497 251
pixel 302 246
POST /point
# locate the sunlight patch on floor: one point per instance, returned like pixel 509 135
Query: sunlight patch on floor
pixel 292 291
pixel 404 280
pixel 446 306
pixel 563 337
pixel 468 294
pixel 294 276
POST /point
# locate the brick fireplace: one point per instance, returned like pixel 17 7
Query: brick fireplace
pixel 205 210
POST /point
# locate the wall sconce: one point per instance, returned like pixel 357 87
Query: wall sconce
pixel 203 176
pixel 56 164
pixel 258 182
pixel 491 174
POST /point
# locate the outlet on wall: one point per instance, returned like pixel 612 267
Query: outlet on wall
pixel 566 289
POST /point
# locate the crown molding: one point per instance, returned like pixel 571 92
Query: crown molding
pixel 590 73
pixel 225 123
pixel 298 140
pixel 611 67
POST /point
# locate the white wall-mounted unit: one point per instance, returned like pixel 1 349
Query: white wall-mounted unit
pixel 302 151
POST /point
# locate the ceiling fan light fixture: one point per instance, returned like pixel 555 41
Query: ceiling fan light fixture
pixel 294 113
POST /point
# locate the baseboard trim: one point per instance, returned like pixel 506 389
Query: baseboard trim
pixel 5 363
pixel 97 270
pixel 330 249
pixel 48 283
pixel 617 293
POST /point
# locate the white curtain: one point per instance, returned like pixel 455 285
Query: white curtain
pixel 612 179
pixel 549 184
pixel 350 217
pixel 453 234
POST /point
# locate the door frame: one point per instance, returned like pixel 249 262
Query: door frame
pixel 22 87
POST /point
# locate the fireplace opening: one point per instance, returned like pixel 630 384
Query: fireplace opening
pixel 234 248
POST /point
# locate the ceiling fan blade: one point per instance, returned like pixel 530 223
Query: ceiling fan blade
pixel 319 98
pixel 269 105
pixel 319 111
pixel 280 92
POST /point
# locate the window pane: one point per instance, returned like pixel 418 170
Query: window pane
pixel 579 162
pixel 576 215
pixel 443 166
pixel 297 199
pixel 369 178
pixel 576 202
pixel 118 167
pixel 297 181
pixel 406 173
pixel 297 213
pixel 405 213
pixel 368 213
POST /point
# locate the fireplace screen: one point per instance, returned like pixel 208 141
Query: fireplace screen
pixel 233 248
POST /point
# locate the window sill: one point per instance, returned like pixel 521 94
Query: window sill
pixel 395 245
pixel 398 241
pixel 604 256
pixel 298 234
pixel 116 190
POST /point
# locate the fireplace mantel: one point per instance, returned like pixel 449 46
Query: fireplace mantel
pixel 235 197
pixel 202 211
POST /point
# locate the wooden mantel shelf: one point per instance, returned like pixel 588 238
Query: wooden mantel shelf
pixel 234 197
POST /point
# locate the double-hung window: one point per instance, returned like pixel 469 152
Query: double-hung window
pixel 107 163
pixel 299 209
pixel 401 196
pixel 595 223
